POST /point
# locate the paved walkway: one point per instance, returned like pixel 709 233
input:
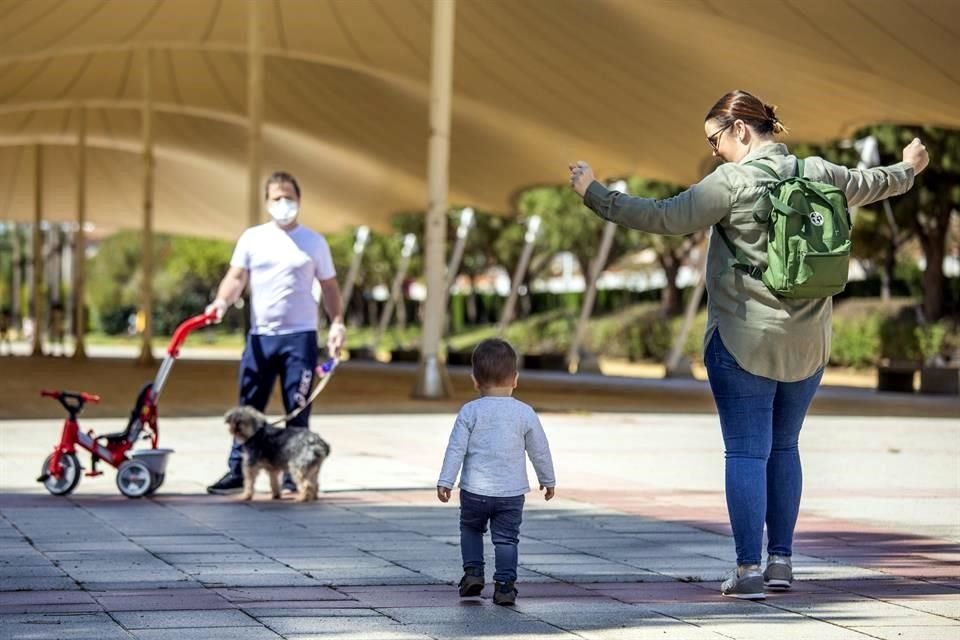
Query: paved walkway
pixel 632 548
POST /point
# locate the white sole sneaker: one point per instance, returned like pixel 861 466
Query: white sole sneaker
pixel 748 587
pixel 782 585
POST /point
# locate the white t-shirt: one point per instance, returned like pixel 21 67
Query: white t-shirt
pixel 283 266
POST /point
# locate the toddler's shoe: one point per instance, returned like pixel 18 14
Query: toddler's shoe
pixel 504 593
pixel 471 584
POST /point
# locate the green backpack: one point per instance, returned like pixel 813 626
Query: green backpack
pixel 808 243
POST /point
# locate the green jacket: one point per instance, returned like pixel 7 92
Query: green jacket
pixel 786 340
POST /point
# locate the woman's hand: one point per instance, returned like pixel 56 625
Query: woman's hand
pixel 581 175
pixel 916 154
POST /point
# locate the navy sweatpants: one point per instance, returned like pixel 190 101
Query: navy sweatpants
pixel 292 357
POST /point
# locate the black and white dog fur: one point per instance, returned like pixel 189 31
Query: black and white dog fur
pixel 275 450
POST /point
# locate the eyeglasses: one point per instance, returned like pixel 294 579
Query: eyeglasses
pixel 714 140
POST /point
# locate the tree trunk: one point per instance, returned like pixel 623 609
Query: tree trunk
pixel 670 303
pixel 888 271
pixel 932 232
pixel 933 249
pixel 472 303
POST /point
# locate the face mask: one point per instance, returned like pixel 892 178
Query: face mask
pixel 284 210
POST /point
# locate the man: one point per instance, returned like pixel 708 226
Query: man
pixel 280 260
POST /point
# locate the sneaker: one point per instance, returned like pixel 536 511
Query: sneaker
pixel 779 572
pixel 746 583
pixel 471 584
pixel 288 484
pixel 229 483
pixel 504 593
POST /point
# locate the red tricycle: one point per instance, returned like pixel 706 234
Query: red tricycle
pixel 139 472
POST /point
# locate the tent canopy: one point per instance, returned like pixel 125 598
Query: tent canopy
pixel 623 84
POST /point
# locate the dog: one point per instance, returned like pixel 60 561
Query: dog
pixel 275 450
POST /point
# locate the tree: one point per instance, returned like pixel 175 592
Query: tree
pixel 672 251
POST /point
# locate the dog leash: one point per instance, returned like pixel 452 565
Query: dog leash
pixel 324 373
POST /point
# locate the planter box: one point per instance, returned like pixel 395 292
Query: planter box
pixel 405 355
pixel 945 380
pixel 363 353
pixel 545 361
pixel 459 358
pixel 896 376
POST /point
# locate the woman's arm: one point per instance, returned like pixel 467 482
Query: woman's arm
pixel 699 207
pixel 865 186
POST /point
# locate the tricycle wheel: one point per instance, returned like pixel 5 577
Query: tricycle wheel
pixel 134 479
pixel 157 481
pixel 69 478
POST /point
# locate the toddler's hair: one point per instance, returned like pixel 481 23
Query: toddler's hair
pixel 494 363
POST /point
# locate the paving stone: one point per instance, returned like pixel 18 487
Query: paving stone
pixel 310 612
pixel 183 619
pixel 30 571
pixel 846 612
pixel 176 599
pixel 231 579
pixel 148 585
pixel 313 593
pixel 178 559
pixel 453 613
pixel 912 633
pixel 513 630
pixel 233 633
pixel 38 584
pixel 61 626
pixel 356 625
pixel 945 606
pixel 367 635
pixel 663 629
pixel 782 627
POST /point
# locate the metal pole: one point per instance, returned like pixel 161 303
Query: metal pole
pixel 80 248
pixel 396 290
pixel 530 239
pixel 359 245
pixel 456 257
pixel 432 380
pixel 16 279
pixel 254 111
pixel 37 275
pixel 146 287
pixel 590 295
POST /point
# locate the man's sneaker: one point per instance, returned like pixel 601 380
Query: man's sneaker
pixel 288 484
pixel 504 593
pixel 229 483
pixel 746 583
pixel 471 584
pixel 779 572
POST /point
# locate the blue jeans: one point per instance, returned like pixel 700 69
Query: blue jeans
pixel 292 357
pixel 761 420
pixel 504 516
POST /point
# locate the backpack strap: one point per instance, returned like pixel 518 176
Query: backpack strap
pixel 768 170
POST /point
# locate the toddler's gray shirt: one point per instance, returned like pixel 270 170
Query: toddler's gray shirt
pixel 489 439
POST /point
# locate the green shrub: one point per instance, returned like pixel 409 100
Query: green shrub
pixel 930 341
pixel 856 342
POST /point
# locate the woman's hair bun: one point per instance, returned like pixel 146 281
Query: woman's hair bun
pixel 771 111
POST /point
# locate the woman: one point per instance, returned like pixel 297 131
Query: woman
pixel 764 355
